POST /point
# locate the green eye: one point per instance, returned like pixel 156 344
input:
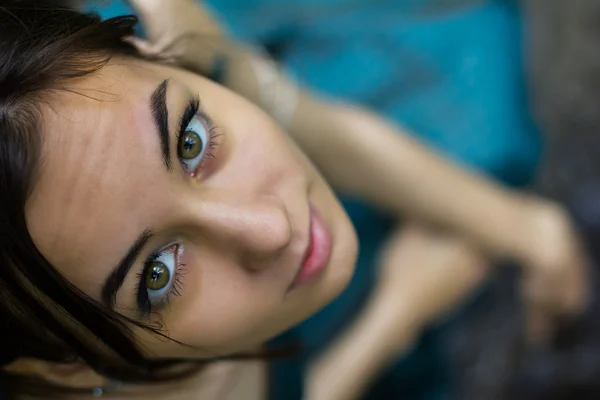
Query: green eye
pixel 158 276
pixel 190 145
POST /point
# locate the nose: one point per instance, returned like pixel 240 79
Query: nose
pixel 253 230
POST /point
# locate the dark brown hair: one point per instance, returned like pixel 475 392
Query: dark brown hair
pixel 42 315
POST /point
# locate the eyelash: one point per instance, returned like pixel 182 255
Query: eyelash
pixel 192 111
pixel 179 272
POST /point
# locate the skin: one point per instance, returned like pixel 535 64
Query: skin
pixel 389 159
pixel 242 220
pixel 249 230
pixel 531 230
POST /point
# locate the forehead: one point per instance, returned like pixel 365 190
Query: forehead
pixel 100 155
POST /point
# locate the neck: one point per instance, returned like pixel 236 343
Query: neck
pixel 219 381
pixel 214 382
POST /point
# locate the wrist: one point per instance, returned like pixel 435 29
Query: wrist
pixel 516 226
pixel 548 236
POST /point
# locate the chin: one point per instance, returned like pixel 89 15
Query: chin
pixel 314 296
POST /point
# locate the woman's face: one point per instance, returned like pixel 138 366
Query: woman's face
pixel 208 219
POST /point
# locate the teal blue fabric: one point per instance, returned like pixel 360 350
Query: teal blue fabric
pixel 452 76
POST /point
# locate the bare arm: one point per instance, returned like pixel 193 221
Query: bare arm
pixel 422 275
pixel 353 361
pixel 359 152
pixel 362 154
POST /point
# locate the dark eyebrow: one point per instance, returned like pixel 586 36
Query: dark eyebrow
pixel 158 105
pixel 115 280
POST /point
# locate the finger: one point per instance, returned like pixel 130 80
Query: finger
pixel 148 49
pixel 577 290
pixel 542 299
pixel 143 46
pixel 538 327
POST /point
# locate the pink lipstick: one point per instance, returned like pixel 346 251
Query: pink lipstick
pixel 318 250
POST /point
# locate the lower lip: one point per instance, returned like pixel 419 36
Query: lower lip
pixel 319 252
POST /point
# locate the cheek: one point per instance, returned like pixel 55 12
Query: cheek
pixel 249 129
pixel 223 308
pixel 252 145
pixel 260 158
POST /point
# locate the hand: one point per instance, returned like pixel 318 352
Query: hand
pixel 187 35
pixel 425 275
pixel 555 273
pixel 169 22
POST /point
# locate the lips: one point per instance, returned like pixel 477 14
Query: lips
pixel 318 250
